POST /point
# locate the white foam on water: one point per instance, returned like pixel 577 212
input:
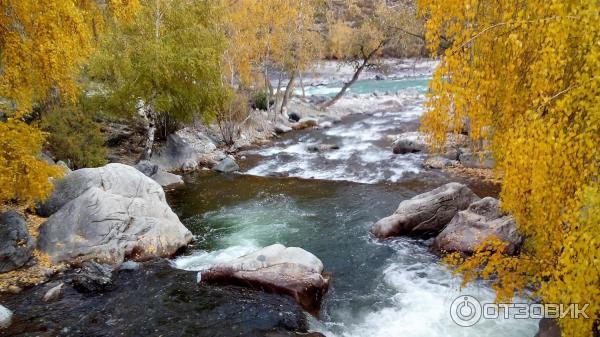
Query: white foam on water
pixel 201 260
pixel 424 291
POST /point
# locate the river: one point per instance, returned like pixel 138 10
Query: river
pixel 325 202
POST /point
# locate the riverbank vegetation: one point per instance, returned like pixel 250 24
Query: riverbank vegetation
pixel 526 78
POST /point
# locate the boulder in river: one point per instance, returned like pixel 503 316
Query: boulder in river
pixel 16 245
pixel 426 214
pixel 281 128
pixel 439 162
pixel 109 214
pixel 305 122
pixel 469 228
pixel 410 142
pixel 227 165
pixel 93 277
pixel 5 317
pixel 185 150
pixel 276 269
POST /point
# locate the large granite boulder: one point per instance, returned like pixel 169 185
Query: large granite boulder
pixel 185 150
pixel 16 245
pixel 275 269
pixel 426 214
pixel 109 214
pixel 469 228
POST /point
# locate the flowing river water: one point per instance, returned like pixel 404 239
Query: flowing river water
pixel 325 202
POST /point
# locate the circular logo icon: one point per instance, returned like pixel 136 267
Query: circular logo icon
pixel 465 311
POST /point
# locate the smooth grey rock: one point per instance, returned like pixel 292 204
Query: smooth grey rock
pixel 168 180
pixel 54 293
pixel 93 277
pixel 147 167
pixel 64 166
pixel 185 150
pixel 319 99
pixel 45 157
pixel 426 214
pixel 129 265
pixel 292 271
pixel 16 245
pixel 227 165
pixel 5 317
pixel 326 124
pixel 469 228
pixel 108 214
pixel 410 142
pixel 280 128
pixel 475 160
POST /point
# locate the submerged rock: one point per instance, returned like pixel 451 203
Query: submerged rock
pixel 16 245
pixel 93 277
pixel 275 269
pixel 322 147
pixel 155 300
pixel 471 227
pixel 426 214
pixel 227 165
pixel 120 213
pixel 5 317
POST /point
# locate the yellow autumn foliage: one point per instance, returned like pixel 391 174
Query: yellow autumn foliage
pixel 43 45
pixel 524 78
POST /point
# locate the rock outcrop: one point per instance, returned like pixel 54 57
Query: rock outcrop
pixel 185 150
pixel 275 269
pixel 469 228
pixel 16 245
pixel 109 214
pixel 426 214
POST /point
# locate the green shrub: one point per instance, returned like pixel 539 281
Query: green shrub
pixel 259 99
pixel 74 137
